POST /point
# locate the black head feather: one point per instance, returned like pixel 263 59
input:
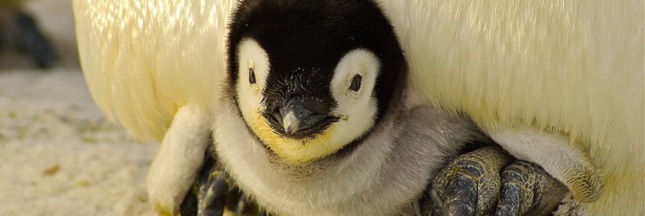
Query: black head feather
pixel 305 40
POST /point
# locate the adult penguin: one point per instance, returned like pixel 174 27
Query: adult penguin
pixel 489 86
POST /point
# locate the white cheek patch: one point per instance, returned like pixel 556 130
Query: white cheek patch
pixel 251 56
pixel 361 62
pixel 357 109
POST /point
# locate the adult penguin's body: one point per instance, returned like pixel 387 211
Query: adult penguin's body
pixel 495 64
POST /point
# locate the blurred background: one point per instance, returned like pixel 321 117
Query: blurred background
pixel 58 154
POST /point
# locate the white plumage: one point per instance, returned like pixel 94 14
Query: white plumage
pixel 141 55
pixel 572 67
pixel 569 67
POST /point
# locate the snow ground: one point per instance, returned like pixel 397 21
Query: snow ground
pixel 59 155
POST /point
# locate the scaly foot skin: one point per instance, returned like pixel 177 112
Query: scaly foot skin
pixel 488 181
pixel 19 30
pixel 213 194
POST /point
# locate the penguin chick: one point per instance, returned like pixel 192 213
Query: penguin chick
pixel 18 30
pixel 319 117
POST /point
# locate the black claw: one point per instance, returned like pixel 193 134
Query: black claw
pixel 243 206
pixel 213 200
pixel 519 184
pixel 511 200
pixel 547 191
pixel 461 196
pixel 528 190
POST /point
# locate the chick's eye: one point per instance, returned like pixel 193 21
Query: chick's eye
pixel 356 82
pixel 251 76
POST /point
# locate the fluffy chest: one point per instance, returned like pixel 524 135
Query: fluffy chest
pixel 383 175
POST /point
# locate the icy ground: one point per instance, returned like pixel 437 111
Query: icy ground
pixel 59 155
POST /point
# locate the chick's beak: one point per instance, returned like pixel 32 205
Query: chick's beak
pixel 301 117
pixel 291 123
